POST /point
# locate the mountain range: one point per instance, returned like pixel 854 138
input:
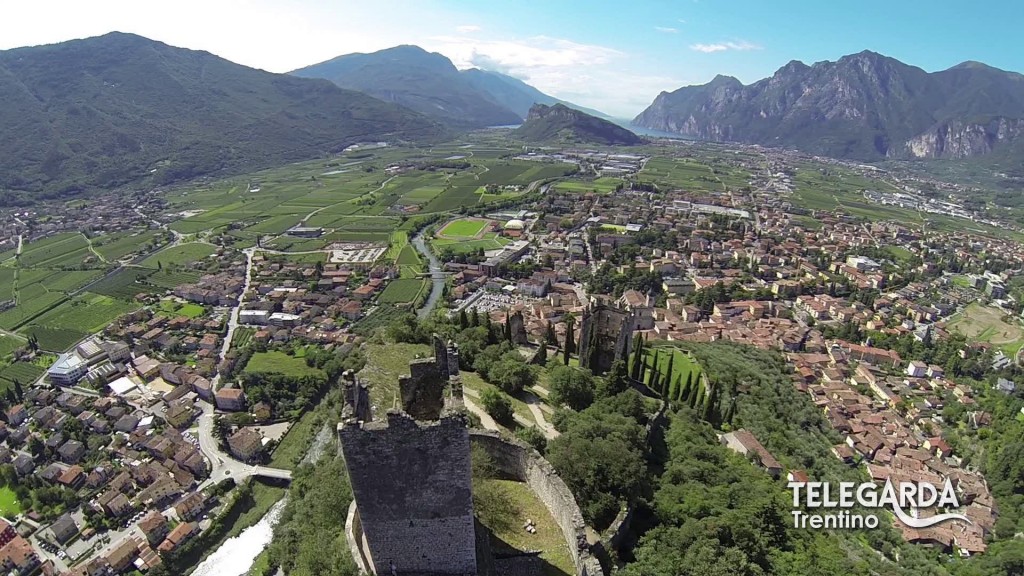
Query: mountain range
pixel 864 106
pixel 122 109
pixel 119 108
pixel 430 83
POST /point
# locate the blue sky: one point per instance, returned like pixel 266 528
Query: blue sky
pixel 614 56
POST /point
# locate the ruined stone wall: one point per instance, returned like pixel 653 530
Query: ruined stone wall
pixel 523 463
pixel 610 330
pixel 411 481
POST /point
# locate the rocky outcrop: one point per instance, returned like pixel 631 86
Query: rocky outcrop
pixel 864 106
pixel 958 139
pixel 563 124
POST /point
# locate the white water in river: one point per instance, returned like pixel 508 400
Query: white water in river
pixel 236 555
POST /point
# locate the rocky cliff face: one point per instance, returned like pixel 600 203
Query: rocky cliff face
pixel 564 124
pixel 958 139
pixel 865 106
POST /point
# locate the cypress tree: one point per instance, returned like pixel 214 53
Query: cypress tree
pixel 668 369
pixel 683 394
pixel 463 319
pixel 673 390
pixel 474 318
pixel 570 336
pixel 542 354
pixel 551 337
pixel 654 370
pixel 638 357
pixel 18 392
pixel 507 329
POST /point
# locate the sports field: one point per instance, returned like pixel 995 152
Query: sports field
pixel 463 228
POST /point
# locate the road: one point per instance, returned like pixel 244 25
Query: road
pixel 221 464
pixel 233 317
pixel 534 403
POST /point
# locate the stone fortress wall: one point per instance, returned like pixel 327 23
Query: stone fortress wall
pixel 519 461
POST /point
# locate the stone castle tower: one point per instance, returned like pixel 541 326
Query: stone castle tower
pixel 606 334
pixel 411 472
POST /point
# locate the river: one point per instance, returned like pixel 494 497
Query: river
pixel 236 555
pixel 436 276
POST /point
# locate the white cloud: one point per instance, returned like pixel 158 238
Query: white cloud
pixel 666 29
pixel 467 28
pixel 741 46
pixel 586 74
pixel 681 21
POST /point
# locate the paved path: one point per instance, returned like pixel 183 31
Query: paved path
pixel 534 404
pixel 485 419
pixel 233 317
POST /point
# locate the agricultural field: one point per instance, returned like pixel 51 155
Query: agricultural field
pixel 242 336
pixel 9 344
pixel 70 280
pixel 834 189
pixel 280 363
pixel 88 312
pixel 29 306
pixel 988 324
pixel 24 372
pixel 118 245
pixel 54 251
pixel 54 339
pixel 7 283
pixel 605 185
pixel 129 282
pixel 381 317
pixel 182 254
pixel 403 290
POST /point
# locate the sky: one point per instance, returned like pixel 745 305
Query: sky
pixel 612 56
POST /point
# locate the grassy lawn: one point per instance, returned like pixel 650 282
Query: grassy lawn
pixel 9 344
pixel 295 442
pixel 181 254
pixel 280 363
pixel 986 324
pixel 503 506
pixel 463 228
pixel 9 506
pixel 384 364
pixel 682 364
pixel 961 281
pixel 475 383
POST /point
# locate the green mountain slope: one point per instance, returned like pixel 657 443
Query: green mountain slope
pixel 562 124
pixel 120 109
pixel 865 106
pixel 426 82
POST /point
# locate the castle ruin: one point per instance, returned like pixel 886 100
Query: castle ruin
pixel 411 472
pixel 605 336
